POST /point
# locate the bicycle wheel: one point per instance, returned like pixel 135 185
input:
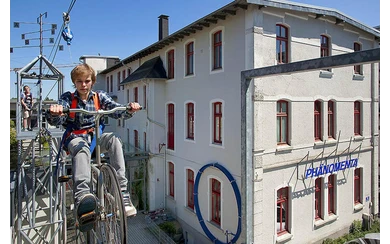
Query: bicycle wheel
pixel 113 225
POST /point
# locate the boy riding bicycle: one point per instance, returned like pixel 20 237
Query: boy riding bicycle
pixel 80 134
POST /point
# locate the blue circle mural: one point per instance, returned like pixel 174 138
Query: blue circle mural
pixel 238 201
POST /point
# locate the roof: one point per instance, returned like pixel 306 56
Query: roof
pixel 151 69
pixel 231 9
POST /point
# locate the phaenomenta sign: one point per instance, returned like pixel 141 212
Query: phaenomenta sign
pixel 330 168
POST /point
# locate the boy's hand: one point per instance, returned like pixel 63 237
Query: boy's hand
pixel 56 109
pixel 134 107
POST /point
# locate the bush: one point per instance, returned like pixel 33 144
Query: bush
pixel 355 231
pixel 168 227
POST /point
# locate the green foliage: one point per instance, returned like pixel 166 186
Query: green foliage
pixel 168 227
pixel 13 133
pixel 355 231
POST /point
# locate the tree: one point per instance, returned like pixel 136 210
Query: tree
pixel 13 147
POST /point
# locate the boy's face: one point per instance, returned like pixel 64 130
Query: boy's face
pixel 83 85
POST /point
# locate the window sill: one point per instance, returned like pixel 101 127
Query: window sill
pixel 358 138
pixel 358 77
pixel 190 210
pixel 331 142
pixel 284 238
pixel 358 207
pixel 284 148
pixel 319 223
pixel 326 74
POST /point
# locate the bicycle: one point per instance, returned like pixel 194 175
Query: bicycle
pixel 110 222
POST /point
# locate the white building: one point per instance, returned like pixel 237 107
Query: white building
pixel 314 137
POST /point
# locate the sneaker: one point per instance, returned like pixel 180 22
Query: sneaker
pixel 130 210
pixel 86 214
pixel 30 129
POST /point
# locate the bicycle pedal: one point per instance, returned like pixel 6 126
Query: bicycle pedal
pixel 63 178
pixel 87 218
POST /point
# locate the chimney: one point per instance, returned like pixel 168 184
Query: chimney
pixel 162 27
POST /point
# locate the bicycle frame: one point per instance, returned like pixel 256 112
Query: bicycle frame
pixel 95 167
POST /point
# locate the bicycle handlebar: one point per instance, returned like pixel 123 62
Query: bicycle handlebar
pixel 98 112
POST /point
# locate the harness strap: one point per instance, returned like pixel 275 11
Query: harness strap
pixel 69 129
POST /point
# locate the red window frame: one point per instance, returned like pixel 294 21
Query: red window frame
pixel 144 105
pixel 217 50
pixel 325 47
pixel 217 122
pixel 331 194
pixel 357 68
pixel 282 117
pixel 216 201
pixel 128 71
pixel 318 198
pixel 171 64
pixel 171 179
pixel 190 58
pixel 171 127
pixel 111 82
pixel 123 77
pixel 282 44
pixel 190 189
pixel 282 204
pixel 331 117
pixel 190 121
pixel 317 120
pixel 135 93
pixel 356 184
pixel 356 118
pixel 118 76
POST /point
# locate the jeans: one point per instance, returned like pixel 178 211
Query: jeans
pixel 81 162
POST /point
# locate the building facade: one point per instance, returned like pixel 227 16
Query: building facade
pixel 314 135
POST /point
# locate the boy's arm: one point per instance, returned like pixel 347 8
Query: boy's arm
pixel 59 120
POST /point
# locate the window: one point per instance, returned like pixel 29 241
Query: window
pixel 217 50
pixel 136 140
pixel 282 211
pixel 144 105
pixel 282 122
pixel 357 68
pixel 325 50
pixel 217 123
pixel 356 185
pixel 119 81
pixel 317 121
pixel 108 84
pixel 281 44
pixel 331 194
pixel 216 201
pixel 356 118
pixel 171 64
pixel 123 77
pixel 171 179
pixel 119 122
pixel 135 90
pixel 190 189
pixel 190 121
pixel 318 199
pixel 190 58
pixel 128 95
pixel 145 142
pixel 128 71
pixel 111 82
pixel 171 127
pixel 331 128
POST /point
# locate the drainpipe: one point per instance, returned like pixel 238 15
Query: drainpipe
pixel 374 138
pixel 165 150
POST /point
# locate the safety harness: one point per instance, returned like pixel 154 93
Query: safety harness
pixel 69 128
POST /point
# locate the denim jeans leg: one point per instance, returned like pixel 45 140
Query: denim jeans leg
pixel 113 145
pixel 81 167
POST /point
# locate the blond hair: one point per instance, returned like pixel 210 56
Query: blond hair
pixel 83 69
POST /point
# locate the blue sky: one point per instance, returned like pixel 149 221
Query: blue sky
pixel 121 28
